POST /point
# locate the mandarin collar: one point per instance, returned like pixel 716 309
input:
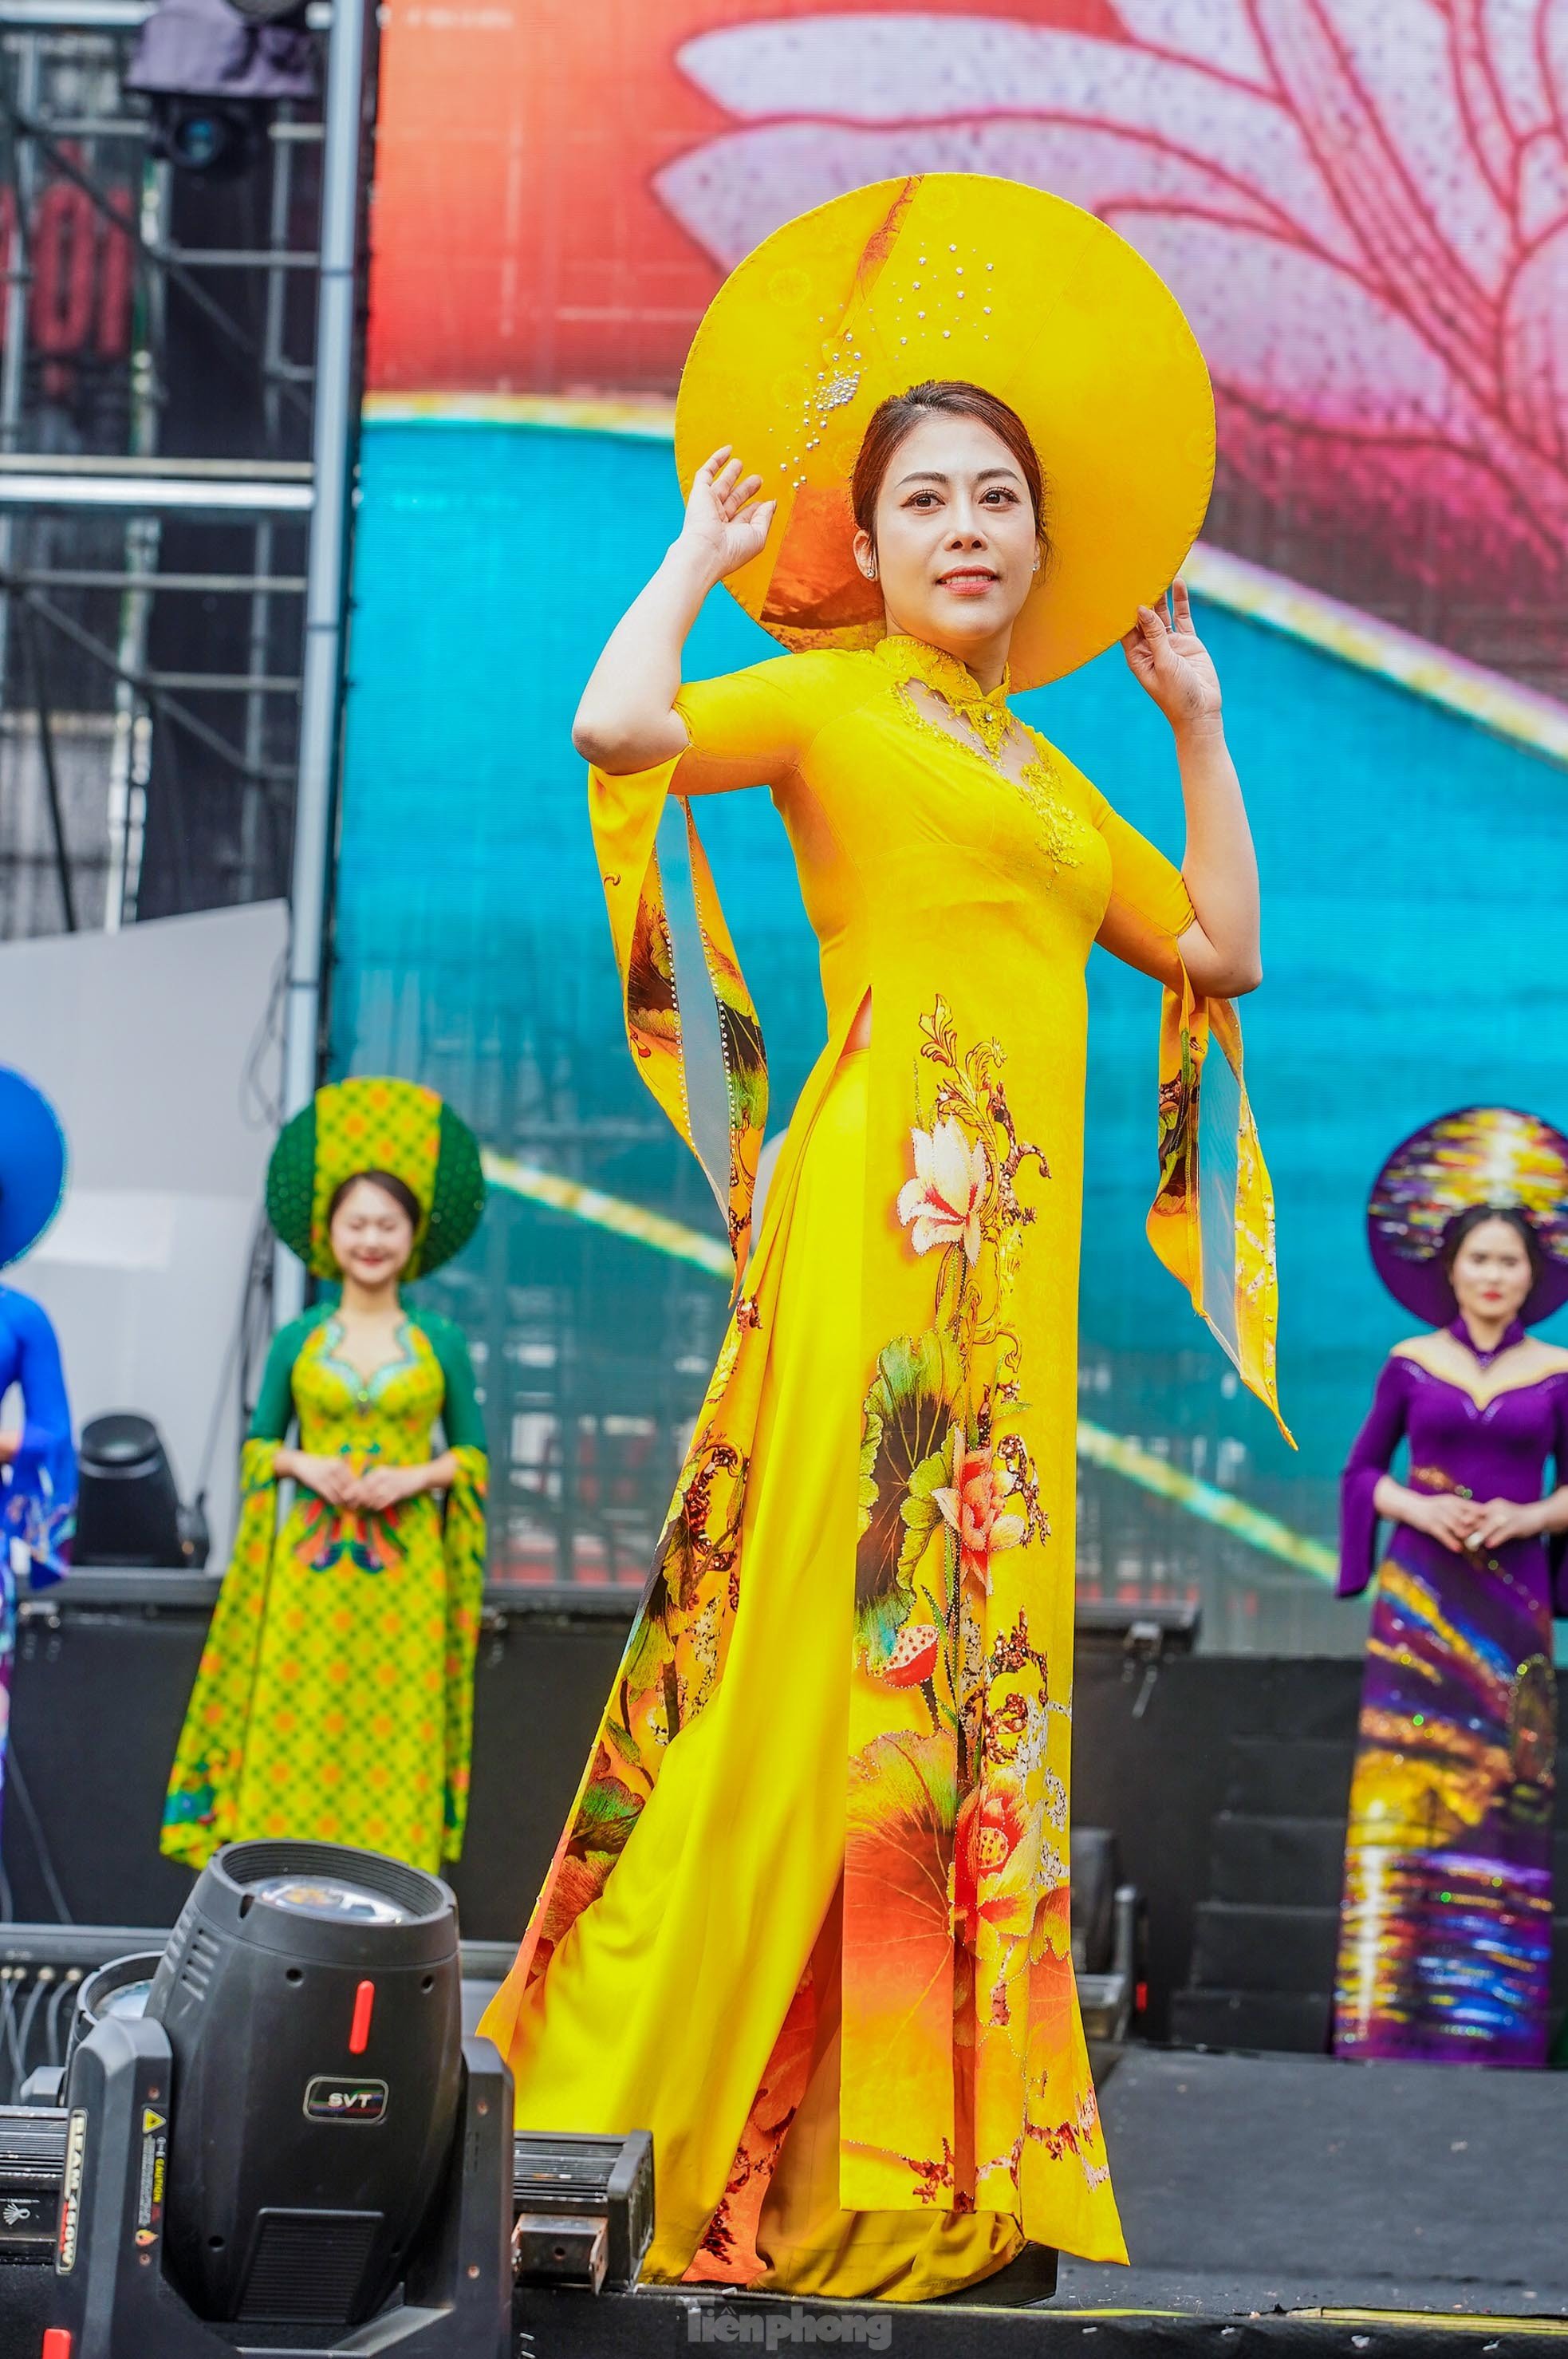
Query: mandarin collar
pixel 1513 1333
pixel 911 658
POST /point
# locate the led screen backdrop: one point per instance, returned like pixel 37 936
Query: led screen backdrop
pixel 559 190
pixel 1364 209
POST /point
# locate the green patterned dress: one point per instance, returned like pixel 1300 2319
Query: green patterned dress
pixel 335 1695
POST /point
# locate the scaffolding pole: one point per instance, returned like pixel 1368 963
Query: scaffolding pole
pixel 130 760
pixel 326 593
pixel 18 278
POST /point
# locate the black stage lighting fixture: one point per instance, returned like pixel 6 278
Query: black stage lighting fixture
pixel 128 1510
pixel 211 70
pixel 294 2142
pixel 584 2209
pixel 121 1989
pixel 199 136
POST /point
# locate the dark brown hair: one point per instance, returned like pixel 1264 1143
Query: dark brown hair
pixel 401 1193
pixel 901 413
pixel 1464 1223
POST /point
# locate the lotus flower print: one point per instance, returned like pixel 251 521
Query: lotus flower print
pixel 1362 205
pixel 976 1506
pixel 996 1860
pixel 942 1203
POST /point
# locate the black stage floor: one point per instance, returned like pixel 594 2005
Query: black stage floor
pixel 1254 2183
pixel 1277 2207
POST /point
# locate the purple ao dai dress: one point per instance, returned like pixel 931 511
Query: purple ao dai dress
pixel 1445 1925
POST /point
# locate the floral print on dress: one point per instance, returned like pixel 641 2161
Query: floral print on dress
pixel 956 1881
pixel 1209 1152
pixel 675 1655
pixel 978 1504
pixel 943 1200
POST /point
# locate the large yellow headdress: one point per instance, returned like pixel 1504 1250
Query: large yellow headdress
pixel 956 275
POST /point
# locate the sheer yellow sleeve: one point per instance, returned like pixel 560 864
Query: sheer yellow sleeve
pixel 690 1020
pixel 1149 909
pixel 1212 1220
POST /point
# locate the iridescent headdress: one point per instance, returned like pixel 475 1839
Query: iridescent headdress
pixel 1492 1156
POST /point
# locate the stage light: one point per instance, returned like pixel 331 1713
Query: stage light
pixel 211 70
pixel 315 1996
pixel 293 2136
pixel 128 1511
pixel 220 140
pixel 119 1990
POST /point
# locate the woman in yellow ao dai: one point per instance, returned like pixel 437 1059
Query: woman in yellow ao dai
pixel 809 1920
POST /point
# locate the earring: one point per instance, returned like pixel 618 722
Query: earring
pixel 1036 565
pixel 871 570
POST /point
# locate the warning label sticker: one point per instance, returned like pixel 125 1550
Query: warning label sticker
pixel 70 2192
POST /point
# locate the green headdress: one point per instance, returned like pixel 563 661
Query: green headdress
pixel 376 1123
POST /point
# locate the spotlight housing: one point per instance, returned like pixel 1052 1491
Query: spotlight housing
pixel 313 1992
pixel 128 1511
pixel 291 2144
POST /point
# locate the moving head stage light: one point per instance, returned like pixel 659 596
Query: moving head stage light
pixel 128 1511
pixel 293 2141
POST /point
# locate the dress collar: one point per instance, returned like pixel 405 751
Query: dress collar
pixel 908 658
pixel 1512 1334
pixel 985 710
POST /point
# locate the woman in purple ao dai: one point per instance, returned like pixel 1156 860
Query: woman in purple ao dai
pixel 1446 1924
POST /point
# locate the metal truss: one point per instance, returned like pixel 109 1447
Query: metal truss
pixel 89 587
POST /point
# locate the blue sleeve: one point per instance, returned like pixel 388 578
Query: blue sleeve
pixel 46 1404
pixel 38 1497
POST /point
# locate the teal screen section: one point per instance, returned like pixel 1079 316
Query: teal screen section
pixel 1411 868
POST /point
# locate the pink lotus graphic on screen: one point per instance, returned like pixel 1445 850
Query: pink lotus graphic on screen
pixel 1363 205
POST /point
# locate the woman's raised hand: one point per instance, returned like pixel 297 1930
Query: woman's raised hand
pixel 726 524
pixel 1167 659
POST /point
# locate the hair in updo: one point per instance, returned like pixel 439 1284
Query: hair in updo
pixel 901 413
pixel 401 1193
pixel 1475 1216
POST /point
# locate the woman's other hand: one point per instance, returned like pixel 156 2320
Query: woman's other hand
pixel 10 1442
pixel 1499 1520
pixel 1171 663
pixel 332 1479
pixel 726 524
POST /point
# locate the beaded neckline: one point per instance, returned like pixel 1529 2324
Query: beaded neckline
pixel 991 723
pixel 984 709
